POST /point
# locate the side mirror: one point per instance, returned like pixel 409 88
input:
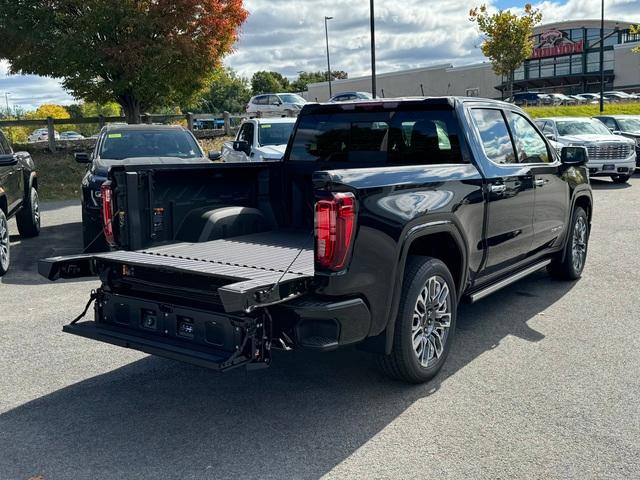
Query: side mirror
pixel 550 136
pixel 574 156
pixel 82 157
pixel 616 132
pixel 242 146
pixel 214 156
pixel 8 159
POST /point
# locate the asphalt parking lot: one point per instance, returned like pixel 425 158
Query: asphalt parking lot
pixel 543 382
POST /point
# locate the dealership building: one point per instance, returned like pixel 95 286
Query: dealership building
pixel 565 59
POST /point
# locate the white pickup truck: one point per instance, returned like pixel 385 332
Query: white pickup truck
pixel 259 140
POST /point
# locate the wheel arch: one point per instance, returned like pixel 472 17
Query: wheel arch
pixel 4 206
pixel 442 240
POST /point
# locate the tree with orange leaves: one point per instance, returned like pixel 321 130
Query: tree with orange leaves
pixel 142 54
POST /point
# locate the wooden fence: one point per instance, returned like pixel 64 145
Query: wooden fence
pixel 231 123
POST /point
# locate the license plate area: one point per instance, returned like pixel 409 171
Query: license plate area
pixel 607 168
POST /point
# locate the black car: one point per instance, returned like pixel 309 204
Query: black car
pixel 626 125
pixel 128 144
pixel 380 219
pixel 18 196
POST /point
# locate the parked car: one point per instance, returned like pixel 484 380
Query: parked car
pixel 259 140
pixel 562 99
pixel 273 103
pixel 126 144
pixel 591 97
pixel 619 97
pixel 18 197
pixel 579 99
pixel 609 155
pixel 531 98
pixel 625 125
pixel 41 135
pixel 379 220
pixel 350 96
pixel 71 135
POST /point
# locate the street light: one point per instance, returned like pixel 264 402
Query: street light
pixel 373 49
pixel 326 35
pixel 602 59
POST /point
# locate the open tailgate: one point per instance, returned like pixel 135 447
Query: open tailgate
pixel 251 271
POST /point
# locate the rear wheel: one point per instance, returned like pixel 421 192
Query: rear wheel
pixel 28 219
pixel 425 324
pixel 620 178
pixel 4 244
pixel 575 252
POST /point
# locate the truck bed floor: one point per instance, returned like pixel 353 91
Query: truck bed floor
pixel 248 262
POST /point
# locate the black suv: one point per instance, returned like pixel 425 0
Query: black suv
pixel 124 145
pixel 18 196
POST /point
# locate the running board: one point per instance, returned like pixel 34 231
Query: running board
pixel 474 297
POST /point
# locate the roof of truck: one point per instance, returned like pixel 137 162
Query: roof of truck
pixel 141 126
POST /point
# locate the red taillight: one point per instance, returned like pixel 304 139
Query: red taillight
pixel 335 228
pixel 107 212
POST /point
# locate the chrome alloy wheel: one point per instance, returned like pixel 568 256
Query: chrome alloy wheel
pixel 579 244
pixel 35 208
pixel 431 321
pixel 4 243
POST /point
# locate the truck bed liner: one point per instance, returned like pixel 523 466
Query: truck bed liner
pixel 251 263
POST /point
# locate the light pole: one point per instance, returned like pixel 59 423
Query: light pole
pixel 326 36
pixel 6 99
pixel 373 49
pixel 602 59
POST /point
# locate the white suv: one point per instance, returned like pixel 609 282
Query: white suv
pixel 274 103
pixel 609 155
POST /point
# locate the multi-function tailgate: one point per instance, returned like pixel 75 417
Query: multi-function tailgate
pixel 250 271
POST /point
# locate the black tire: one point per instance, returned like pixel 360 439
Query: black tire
pixel 92 234
pixel 404 362
pixel 565 266
pixel 5 253
pixel 620 178
pixel 28 218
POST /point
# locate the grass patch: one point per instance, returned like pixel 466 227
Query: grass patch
pixel 584 110
pixel 59 175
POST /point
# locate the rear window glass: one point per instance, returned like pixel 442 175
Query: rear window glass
pixel 426 137
pixel 118 145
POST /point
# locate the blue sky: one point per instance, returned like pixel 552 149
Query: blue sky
pixel 288 36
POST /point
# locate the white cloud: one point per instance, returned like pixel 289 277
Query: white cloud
pixel 288 36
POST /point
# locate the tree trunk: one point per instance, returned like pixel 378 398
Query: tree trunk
pixel 131 107
pixel 510 84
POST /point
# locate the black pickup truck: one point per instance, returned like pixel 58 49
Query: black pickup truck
pixel 380 219
pixel 18 196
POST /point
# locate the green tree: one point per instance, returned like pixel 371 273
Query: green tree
pixel 269 82
pixel 507 38
pixel 305 78
pixel 228 92
pixel 142 54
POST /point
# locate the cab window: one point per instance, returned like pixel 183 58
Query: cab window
pixel 494 134
pixel 530 145
pixel 246 133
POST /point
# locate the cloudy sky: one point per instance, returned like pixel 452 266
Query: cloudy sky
pixel 288 36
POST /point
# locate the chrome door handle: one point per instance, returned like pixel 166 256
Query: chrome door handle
pixel 498 188
pixel 540 183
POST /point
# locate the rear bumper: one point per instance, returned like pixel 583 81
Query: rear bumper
pixel 326 325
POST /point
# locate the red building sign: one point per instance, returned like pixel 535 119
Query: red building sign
pixel 554 43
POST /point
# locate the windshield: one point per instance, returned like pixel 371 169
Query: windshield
pixel 274 133
pixel 292 98
pixel 582 127
pixel 118 145
pixel 629 124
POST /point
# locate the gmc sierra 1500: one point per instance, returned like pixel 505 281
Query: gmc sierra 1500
pixel 382 216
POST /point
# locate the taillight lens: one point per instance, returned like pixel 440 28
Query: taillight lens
pixel 107 212
pixel 335 229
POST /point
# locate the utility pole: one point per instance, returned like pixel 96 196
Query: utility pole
pixel 6 99
pixel 602 59
pixel 373 50
pixel 326 34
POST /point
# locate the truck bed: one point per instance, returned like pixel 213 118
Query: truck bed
pixel 252 264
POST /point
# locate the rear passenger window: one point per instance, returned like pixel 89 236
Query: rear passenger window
pixel 530 145
pixel 496 141
pixel 426 137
